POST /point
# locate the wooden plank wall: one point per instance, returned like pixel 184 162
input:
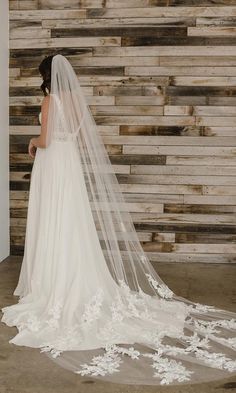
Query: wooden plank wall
pixel 160 78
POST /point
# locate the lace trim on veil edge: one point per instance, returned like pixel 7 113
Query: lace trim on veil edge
pixel 168 370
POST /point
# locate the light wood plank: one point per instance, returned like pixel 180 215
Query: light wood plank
pixel 178 179
pixel 35 130
pixel 212 31
pixel 148 12
pixel 197 61
pixel 226 219
pixel 23 4
pixel 216 121
pixel 124 110
pixel 173 51
pixel 156 141
pixel 200 160
pixel 191 258
pixel 199 110
pixel 116 22
pixel 38 15
pixel 96 81
pixel 166 189
pixel 139 100
pixel 37 100
pixel 193 170
pixel 28 33
pixel 210 199
pixel 181 71
pixel 185 150
pixel 147 120
pixel 223 21
pixel 64 42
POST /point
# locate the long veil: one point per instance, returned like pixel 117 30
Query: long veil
pixel 150 335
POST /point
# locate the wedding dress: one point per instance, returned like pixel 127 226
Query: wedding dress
pixel 89 297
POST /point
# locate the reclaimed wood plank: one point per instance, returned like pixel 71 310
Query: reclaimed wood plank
pixel 160 82
pixel 153 140
pixel 168 50
pixel 210 199
pixel 199 208
pixel 196 61
pixel 212 31
pixel 181 70
pixel 200 160
pixel 97 81
pixel 131 21
pixel 178 179
pixel 226 219
pixel 147 120
pixel 162 257
pixel 185 150
pixel 176 40
pixel 44 14
pixel 127 32
pixel 37 100
pixel 139 100
pixel 63 42
pixel 222 21
pixel 193 170
pixel 29 32
pixel 147 12
pixel 167 189
pixel 23 5
pixel 200 81
pixel 126 110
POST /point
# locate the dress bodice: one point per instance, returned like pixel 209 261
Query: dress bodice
pixel 60 133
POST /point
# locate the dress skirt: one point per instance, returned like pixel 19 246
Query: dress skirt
pixel 68 300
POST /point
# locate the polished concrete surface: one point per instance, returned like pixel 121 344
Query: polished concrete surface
pixel 26 370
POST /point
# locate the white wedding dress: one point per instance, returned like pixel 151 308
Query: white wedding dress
pixel 65 286
pixel 72 308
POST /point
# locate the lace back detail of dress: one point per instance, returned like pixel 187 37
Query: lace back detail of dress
pixel 60 132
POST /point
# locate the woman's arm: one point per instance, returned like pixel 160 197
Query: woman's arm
pixel 40 141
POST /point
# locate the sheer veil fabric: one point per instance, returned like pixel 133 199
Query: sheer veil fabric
pixel 115 320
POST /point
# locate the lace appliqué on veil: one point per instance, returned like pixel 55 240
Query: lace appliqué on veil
pixel 136 304
pixel 129 304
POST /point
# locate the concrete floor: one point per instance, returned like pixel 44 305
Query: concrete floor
pixel 26 370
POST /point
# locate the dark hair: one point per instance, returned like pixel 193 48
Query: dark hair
pixel 45 71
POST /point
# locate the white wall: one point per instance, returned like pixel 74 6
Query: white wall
pixel 4 132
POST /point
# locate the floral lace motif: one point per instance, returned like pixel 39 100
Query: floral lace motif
pixel 64 136
pixel 102 365
pixel 92 309
pixel 168 370
pixel 163 290
pixel 55 312
pixel 128 304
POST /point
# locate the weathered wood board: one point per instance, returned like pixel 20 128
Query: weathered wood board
pixel 160 79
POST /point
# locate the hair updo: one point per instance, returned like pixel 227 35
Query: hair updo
pixel 45 71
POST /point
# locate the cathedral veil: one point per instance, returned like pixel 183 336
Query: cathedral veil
pixel 122 249
pixel 200 344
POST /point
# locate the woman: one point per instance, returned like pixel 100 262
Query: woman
pixel 86 286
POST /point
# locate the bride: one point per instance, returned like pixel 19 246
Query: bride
pixel 89 297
